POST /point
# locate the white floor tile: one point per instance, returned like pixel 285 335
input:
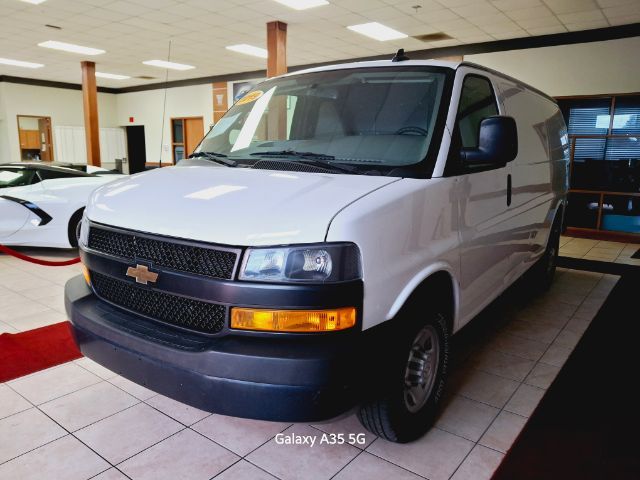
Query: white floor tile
pixel 503 431
pixel 556 355
pixel 95 368
pixel 240 435
pixel 88 405
pixel 542 375
pixel 303 462
pixel 348 425
pixel 6 328
pixel 111 474
pixel 54 382
pixel 128 432
pixel 65 458
pixel 37 320
pixel 525 400
pixel 138 391
pixel 11 402
pixel 186 454
pixel 466 418
pixel 181 412
pixel 244 470
pixel 435 456
pixel 370 467
pixel 502 364
pixel 483 387
pixel 480 464
pixel 25 431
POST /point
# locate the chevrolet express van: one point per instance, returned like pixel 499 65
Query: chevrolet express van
pixel 325 240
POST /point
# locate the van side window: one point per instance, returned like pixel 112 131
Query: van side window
pixel 477 102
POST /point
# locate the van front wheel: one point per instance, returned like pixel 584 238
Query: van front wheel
pixel 408 403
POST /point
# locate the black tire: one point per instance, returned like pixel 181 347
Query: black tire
pixel 543 272
pixel 74 221
pixel 390 415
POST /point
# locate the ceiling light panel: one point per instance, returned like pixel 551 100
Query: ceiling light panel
pixel 34 2
pixel 249 50
pixel 302 4
pixel 70 47
pixel 111 76
pixel 377 31
pixel 170 65
pixel 19 63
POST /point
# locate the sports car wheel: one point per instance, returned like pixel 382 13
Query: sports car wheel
pixel 74 223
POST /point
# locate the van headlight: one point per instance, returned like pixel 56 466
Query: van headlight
pixel 83 231
pixel 325 262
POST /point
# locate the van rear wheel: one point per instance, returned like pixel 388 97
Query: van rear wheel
pixel 543 272
pixel 407 404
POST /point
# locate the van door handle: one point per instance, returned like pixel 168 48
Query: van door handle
pixel 508 190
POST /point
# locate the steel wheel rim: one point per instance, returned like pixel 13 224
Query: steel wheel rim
pixel 421 369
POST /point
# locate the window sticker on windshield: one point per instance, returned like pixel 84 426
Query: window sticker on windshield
pixel 250 97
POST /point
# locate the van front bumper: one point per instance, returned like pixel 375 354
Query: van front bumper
pixel 274 377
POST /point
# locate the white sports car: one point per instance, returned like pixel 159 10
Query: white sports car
pixel 42 204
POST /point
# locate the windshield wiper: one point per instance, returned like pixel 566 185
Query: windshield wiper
pixel 220 158
pixel 320 160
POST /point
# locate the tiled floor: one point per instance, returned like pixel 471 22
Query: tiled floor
pixel 599 250
pixel 80 421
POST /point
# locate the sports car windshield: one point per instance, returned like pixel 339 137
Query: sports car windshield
pixel 359 119
pixel 12 177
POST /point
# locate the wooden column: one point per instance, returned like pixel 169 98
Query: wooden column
pixel 277 65
pixel 277 48
pixel 90 104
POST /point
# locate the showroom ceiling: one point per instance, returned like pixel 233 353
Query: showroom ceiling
pixel 134 31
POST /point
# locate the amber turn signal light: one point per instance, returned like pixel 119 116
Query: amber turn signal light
pixel 85 274
pixel 299 321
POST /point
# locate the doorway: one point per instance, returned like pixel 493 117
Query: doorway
pixel 136 148
pixel 186 135
pixel 34 133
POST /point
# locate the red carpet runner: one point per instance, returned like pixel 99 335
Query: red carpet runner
pixel 32 351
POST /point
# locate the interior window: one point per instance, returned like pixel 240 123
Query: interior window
pixel 477 102
pixel 53 174
pixel 373 119
pixel 17 177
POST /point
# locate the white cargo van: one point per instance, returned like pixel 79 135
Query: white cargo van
pixel 328 236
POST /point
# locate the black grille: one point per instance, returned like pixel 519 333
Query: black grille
pixel 183 312
pixel 164 253
pixel 289 166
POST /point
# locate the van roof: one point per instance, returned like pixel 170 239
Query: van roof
pixel 378 63
pixel 409 63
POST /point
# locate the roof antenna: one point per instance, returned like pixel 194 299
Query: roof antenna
pixel 164 106
pixel 400 56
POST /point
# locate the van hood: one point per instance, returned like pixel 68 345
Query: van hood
pixel 232 206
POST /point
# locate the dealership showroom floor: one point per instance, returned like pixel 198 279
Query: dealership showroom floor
pixel 80 420
pixel 285 209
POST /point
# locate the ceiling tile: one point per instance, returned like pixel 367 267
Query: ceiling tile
pixel 137 30
pixel 571 6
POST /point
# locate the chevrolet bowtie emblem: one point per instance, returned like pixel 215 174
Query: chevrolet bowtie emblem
pixel 142 274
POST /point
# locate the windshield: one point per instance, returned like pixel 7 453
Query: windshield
pixel 375 119
pixel 10 177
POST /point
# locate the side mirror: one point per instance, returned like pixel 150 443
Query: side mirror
pixel 497 143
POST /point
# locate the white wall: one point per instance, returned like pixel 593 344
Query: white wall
pixel 580 69
pixel 64 106
pixel 146 108
pixel 5 150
